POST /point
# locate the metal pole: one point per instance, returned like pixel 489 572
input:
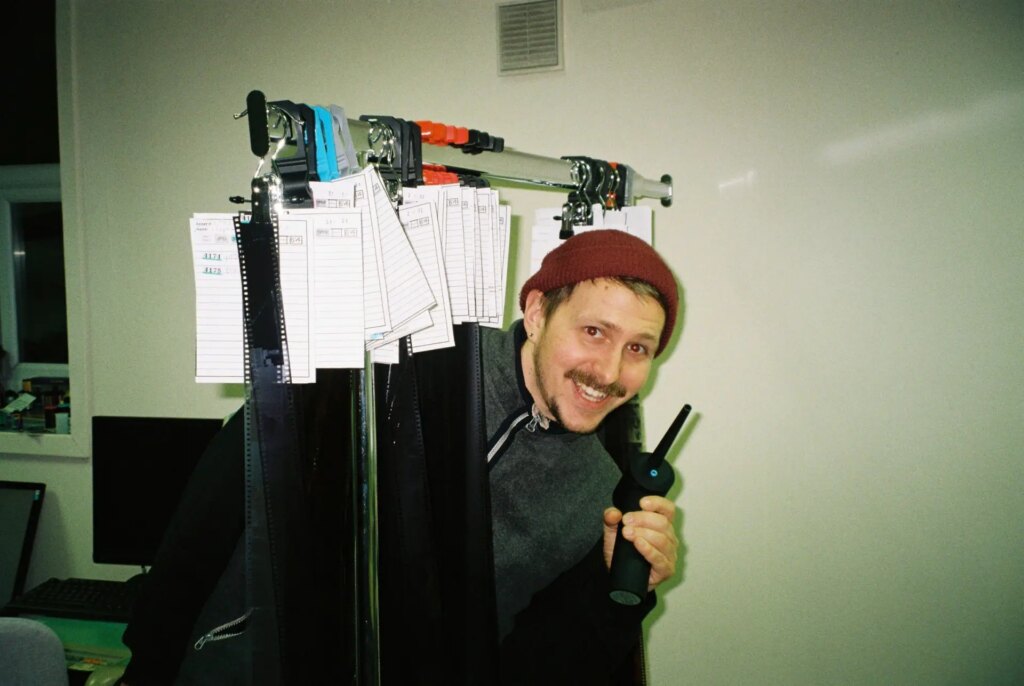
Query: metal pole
pixel 521 167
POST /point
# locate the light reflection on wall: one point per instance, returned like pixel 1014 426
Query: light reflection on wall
pixel 739 183
pixel 987 113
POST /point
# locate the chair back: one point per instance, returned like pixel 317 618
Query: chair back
pixel 31 654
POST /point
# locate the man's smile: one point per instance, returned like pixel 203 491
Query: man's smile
pixel 592 390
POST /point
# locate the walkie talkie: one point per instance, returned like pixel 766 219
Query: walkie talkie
pixel 648 474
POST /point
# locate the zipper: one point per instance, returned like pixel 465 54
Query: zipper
pixel 516 423
pixel 529 419
pixel 643 660
pixel 537 420
pixel 236 627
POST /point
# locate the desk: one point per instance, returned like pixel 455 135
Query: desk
pixel 94 651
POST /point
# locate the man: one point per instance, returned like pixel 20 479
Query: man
pixel 602 306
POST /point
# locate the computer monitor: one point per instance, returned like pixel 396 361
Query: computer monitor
pixel 140 466
pixel 20 504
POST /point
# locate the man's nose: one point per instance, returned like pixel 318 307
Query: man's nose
pixel 608 367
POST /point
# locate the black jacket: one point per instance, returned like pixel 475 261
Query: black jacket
pixel 437 605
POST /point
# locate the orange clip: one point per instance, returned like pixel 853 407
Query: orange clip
pixel 441 134
pixel 432 132
pixel 437 175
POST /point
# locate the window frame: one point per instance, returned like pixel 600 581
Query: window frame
pixel 43 183
pixel 22 184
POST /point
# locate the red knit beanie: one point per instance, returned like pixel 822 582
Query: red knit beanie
pixel 602 254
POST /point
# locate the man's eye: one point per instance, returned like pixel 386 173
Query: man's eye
pixel 638 348
pixel 592 331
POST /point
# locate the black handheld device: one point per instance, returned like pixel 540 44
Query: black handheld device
pixel 648 474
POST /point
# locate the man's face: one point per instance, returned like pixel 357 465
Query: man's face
pixel 592 354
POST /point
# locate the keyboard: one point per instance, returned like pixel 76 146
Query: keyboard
pixel 95 599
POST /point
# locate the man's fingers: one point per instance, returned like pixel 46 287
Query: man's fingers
pixel 649 520
pixel 656 503
pixel 650 530
pixel 657 545
pixel 659 540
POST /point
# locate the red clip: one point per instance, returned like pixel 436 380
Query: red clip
pixel 441 134
pixel 432 132
pixel 437 175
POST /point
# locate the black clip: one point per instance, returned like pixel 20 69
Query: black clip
pixel 297 169
pixel 259 133
pixel 401 162
pixel 480 141
pixel 604 182
pixel 473 181
pixel 590 176
pixel 618 198
pixel 277 125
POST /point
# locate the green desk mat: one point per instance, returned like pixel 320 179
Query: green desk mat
pixel 89 645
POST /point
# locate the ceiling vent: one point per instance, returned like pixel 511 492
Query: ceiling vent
pixel 529 36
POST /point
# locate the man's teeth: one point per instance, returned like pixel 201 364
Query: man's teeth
pixel 591 393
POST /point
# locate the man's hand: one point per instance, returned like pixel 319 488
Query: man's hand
pixel 650 530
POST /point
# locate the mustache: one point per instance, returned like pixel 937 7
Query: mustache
pixel 613 389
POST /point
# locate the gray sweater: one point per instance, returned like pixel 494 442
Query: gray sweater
pixel 549 486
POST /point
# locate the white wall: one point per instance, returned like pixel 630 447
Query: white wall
pixel 847 226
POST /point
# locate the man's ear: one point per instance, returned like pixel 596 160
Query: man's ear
pixel 533 312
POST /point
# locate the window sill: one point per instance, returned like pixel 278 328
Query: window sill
pixel 56 445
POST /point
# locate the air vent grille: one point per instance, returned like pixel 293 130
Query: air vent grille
pixel 529 37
